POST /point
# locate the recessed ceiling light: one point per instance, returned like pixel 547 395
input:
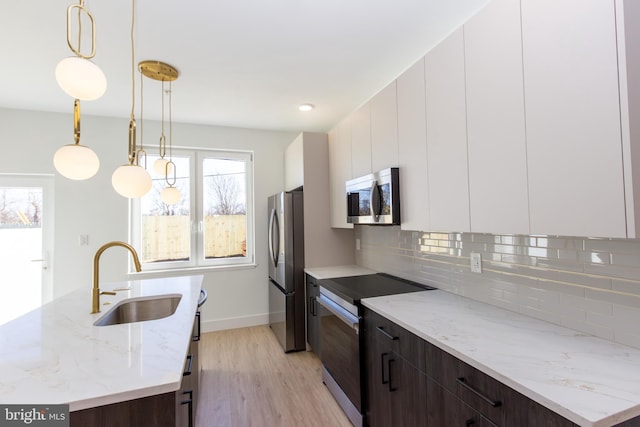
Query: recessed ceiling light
pixel 305 107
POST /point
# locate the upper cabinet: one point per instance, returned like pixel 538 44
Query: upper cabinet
pixel 497 149
pixel 627 17
pixel 323 245
pixel 572 109
pixel 447 136
pixel 339 172
pixel 412 149
pixel 384 129
pixel 361 141
pixel 522 121
pixel 294 164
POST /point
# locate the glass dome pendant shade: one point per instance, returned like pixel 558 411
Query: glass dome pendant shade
pixel 170 195
pixel 80 78
pixel 77 75
pixel 75 161
pixel 131 180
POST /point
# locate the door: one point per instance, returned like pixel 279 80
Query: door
pixel 26 238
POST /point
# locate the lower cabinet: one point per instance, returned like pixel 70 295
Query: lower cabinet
pixel 445 409
pixel 313 317
pixel 394 382
pixel 410 382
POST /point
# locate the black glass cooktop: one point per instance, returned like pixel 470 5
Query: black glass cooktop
pixel 352 289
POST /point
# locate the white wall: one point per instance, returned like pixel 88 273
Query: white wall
pixel 29 139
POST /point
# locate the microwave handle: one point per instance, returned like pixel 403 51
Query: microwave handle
pixel 376 201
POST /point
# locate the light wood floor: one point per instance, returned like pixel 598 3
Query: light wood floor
pixel 247 380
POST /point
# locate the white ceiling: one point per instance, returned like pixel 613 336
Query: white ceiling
pixel 242 63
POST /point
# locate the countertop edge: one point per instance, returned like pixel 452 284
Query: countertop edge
pixel 332 272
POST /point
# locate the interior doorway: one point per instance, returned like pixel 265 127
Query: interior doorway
pixel 26 239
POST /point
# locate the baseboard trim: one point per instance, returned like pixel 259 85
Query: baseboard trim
pixel 234 323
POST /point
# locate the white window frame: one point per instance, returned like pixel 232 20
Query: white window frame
pixel 196 186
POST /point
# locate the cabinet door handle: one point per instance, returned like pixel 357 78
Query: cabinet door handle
pixel 188 371
pixel 189 402
pixel 382 356
pixel 469 422
pixel 386 334
pixel 391 387
pixel 196 337
pixel 312 306
pixel 463 382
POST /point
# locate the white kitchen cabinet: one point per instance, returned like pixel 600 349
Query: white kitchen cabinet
pixel 573 118
pixel 498 191
pixel 384 129
pixel 412 149
pixel 627 17
pixel 323 245
pixel 294 164
pixel 447 136
pixel 339 172
pixel 361 141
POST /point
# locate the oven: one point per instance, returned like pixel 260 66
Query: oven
pixel 341 353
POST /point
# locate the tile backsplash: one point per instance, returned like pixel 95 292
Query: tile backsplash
pixel 590 285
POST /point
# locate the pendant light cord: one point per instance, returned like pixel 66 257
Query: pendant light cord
pixel 170 123
pixel 141 112
pixel 133 59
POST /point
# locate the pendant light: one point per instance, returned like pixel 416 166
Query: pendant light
pixel 132 180
pixel 77 75
pixel 160 165
pixel 170 195
pixel 83 80
pixel 75 161
pixel 164 72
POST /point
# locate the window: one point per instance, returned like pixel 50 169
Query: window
pixel 211 225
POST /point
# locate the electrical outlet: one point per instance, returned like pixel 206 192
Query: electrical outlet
pixel 357 244
pixel 83 240
pixel 476 262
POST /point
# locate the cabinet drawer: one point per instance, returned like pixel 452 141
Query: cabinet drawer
pixel 445 409
pixel 492 399
pixel 489 396
pixel 402 342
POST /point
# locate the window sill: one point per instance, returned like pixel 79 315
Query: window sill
pixel 173 272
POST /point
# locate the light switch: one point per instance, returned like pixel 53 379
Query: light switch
pixel 476 262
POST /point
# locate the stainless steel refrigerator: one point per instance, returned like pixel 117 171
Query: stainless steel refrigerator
pixel 286 269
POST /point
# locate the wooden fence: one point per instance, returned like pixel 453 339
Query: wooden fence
pixel 168 238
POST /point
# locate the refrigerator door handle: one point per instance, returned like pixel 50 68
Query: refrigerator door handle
pixel 274 247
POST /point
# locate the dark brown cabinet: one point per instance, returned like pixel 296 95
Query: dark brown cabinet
pixel 445 409
pixel 411 382
pixel 495 402
pixel 396 386
pixel 313 316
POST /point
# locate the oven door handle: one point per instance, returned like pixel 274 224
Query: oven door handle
pixel 342 314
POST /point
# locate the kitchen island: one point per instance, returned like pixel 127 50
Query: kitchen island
pixel 55 354
pixel 589 381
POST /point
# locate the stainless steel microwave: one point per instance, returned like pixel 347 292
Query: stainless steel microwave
pixel 374 198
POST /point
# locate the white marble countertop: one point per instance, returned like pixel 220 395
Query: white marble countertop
pixel 55 355
pixel 337 271
pixel 590 381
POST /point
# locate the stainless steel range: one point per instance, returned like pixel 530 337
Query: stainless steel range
pixel 342 355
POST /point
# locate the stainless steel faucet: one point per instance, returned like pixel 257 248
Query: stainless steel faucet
pixel 95 296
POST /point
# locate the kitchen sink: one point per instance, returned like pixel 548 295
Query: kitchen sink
pixel 140 309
